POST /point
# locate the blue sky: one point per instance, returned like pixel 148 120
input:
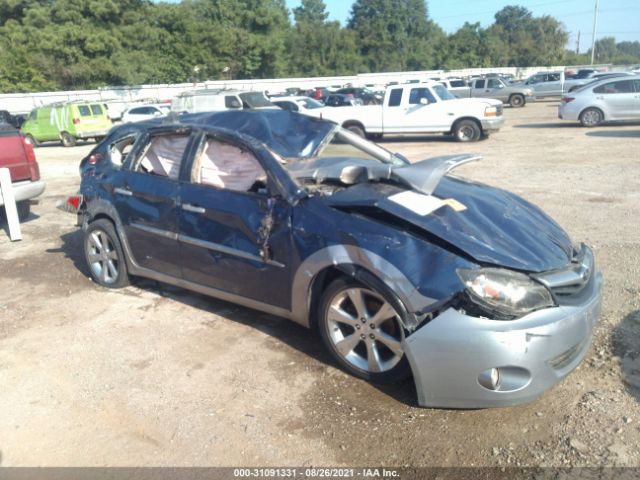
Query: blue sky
pixel 617 18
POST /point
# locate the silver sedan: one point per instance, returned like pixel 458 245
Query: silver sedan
pixel 607 100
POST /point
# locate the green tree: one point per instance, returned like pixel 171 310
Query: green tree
pixel 393 35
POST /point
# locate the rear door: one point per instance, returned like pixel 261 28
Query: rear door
pixel 145 194
pixel 234 230
pixel 419 111
pixel 618 97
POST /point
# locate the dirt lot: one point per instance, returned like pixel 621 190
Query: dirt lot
pixel 154 375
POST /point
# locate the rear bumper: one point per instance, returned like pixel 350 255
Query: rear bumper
pixel 92 133
pixel 533 353
pixel 492 124
pixel 26 190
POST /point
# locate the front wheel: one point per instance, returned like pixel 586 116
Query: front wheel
pixel 467 131
pixel 516 101
pixel 104 255
pixel 67 139
pixel 363 331
pixel 591 117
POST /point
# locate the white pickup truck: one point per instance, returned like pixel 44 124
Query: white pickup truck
pixel 422 108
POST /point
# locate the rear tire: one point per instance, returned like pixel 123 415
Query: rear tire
pixel 104 255
pixel 67 139
pixel 591 117
pixel 357 130
pixel 517 101
pixel 467 131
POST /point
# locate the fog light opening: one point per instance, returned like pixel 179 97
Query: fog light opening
pixel 490 379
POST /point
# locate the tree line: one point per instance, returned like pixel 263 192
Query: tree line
pixel 76 44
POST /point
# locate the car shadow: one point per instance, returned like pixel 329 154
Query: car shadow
pixel 4 225
pixel 548 125
pixel 615 133
pixel 626 347
pixel 415 138
pixel 299 338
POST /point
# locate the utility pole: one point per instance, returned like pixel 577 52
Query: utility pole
pixel 578 44
pixel 593 39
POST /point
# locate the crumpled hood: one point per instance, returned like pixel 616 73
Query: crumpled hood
pixel 490 225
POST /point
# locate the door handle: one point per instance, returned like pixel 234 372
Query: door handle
pixel 123 191
pixel 192 208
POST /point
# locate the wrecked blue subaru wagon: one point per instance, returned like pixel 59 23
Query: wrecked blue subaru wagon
pixel 401 268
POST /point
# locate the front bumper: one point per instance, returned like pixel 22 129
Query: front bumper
pixel 533 353
pixel 26 190
pixel 492 124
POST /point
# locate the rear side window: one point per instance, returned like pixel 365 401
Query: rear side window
pixel 232 102
pixel 457 83
pixel 163 155
pixel 395 97
pixel 96 109
pixel 84 110
pixel 622 86
pixel 637 85
pixel 479 83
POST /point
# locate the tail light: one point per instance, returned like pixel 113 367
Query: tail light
pixel 34 169
pixel 567 99
pixel 76 121
pixel 95 158
pixel 71 205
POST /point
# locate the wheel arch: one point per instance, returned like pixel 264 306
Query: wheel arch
pixel 325 265
pixel 354 123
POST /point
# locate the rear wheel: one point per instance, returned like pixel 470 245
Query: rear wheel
pixel 467 131
pixel 67 139
pixel 363 331
pixel 591 117
pixel 516 101
pixel 104 255
pixel 357 129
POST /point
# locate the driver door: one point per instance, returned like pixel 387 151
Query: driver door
pixel 234 230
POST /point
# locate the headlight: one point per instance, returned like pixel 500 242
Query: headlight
pixel 491 112
pixel 505 292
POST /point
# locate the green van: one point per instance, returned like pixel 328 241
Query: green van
pixel 67 122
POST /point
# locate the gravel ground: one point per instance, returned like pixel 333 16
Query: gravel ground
pixel 153 375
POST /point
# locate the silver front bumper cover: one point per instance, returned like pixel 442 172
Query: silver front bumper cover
pixel 492 124
pixel 448 354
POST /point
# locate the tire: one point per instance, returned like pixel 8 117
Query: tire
pixel 591 117
pixel 24 209
pixel 104 255
pixel 358 130
pixel 467 131
pixel 363 346
pixel 517 101
pixel 34 143
pixel 67 139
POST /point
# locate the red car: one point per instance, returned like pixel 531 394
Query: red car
pixel 17 154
